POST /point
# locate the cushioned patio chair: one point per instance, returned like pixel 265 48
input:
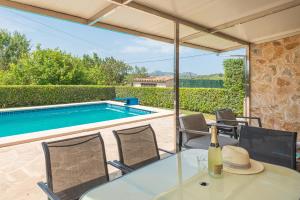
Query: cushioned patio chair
pixel 270 146
pixel 74 166
pixel 194 132
pixel 137 147
pixel 226 116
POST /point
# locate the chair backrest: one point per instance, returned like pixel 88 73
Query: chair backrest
pixel 75 165
pixel 195 122
pixel 226 114
pixel 137 146
pixel 271 146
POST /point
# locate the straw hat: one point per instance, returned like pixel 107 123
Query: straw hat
pixel 236 160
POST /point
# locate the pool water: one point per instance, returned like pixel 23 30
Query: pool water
pixel 27 121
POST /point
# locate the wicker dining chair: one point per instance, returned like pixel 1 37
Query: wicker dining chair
pixel 137 147
pixel 226 116
pixel 74 166
pixel 270 146
pixel 194 132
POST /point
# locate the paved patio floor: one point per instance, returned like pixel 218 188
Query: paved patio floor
pixel 22 166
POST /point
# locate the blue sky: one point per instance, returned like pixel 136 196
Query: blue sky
pixel 81 39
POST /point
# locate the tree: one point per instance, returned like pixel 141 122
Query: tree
pixel 136 72
pixel 108 71
pixel 20 66
pixel 46 66
pixel 91 61
pixel 13 46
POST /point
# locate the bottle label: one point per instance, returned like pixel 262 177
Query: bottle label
pixel 218 169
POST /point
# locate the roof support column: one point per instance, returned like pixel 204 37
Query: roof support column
pixel 247 83
pixel 176 85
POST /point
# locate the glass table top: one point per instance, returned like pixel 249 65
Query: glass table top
pixel 184 177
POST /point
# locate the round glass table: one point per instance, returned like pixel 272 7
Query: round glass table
pixel 184 177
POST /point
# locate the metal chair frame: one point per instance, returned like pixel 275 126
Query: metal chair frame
pixel 120 163
pixel 47 187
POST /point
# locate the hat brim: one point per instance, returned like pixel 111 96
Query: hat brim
pixel 256 167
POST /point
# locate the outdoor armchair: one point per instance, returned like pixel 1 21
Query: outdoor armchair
pixel 226 116
pixel 194 132
pixel 137 147
pixel 271 146
pixel 74 166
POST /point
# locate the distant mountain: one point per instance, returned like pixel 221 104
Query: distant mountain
pixel 160 73
pixel 188 75
pixel 218 76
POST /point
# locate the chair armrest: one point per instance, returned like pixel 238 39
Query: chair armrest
pixel 163 150
pixel 117 164
pixel 237 121
pixel 211 124
pixel 218 125
pixel 257 118
pixel 195 132
pixel 48 192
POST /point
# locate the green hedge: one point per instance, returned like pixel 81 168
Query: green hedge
pixel 148 96
pixel 234 78
pixel 15 96
pixel 201 83
pixel 205 100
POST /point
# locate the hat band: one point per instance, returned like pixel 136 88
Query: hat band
pixel 237 166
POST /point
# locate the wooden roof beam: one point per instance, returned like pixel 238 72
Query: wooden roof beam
pixel 41 11
pixel 154 37
pixel 106 11
pixel 171 17
pixel 59 15
pixel 244 19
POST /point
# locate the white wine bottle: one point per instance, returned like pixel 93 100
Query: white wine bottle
pixel 215 162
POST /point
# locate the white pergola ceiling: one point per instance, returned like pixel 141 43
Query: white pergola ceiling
pixel 215 25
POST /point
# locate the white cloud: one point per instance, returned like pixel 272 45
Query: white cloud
pixel 142 45
pixel 134 49
pixel 155 46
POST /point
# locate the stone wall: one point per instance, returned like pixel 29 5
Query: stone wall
pixel 275 83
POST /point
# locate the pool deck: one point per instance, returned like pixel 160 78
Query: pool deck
pixel 43 135
pixel 23 165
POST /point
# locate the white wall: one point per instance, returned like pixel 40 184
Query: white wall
pixel 136 84
pixel 161 85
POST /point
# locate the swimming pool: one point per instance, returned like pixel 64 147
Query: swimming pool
pixel 33 120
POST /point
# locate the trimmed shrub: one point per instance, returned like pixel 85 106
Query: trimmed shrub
pixel 201 83
pixel 202 99
pixel 148 96
pixel 234 81
pixel 15 96
pixel 206 100
pixel 234 78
